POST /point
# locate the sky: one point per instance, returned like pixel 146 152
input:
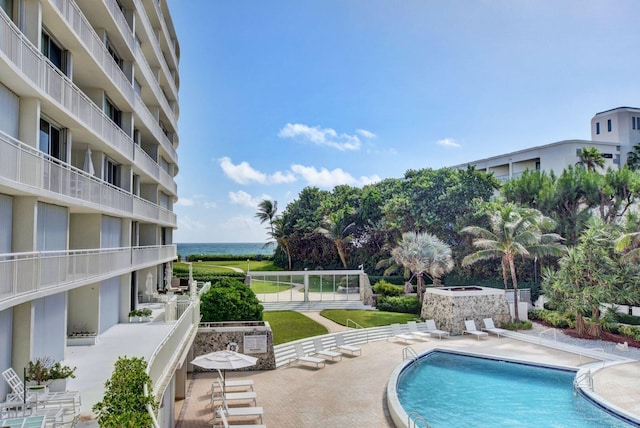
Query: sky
pixel 278 95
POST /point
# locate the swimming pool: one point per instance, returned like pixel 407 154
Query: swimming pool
pixel 454 390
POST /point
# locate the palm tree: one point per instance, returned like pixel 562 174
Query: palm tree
pixel 590 158
pixel 279 235
pixel 631 242
pixel 514 232
pixel 335 228
pixel 633 158
pixel 423 254
pixel 267 212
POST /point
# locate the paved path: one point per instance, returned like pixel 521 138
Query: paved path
pixel 352 392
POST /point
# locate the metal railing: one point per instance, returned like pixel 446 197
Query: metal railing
pixel 583 380
pixel 413 418
pixel 549 330
pixel 408 353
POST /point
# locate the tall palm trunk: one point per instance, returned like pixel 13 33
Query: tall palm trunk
pixel 420 287
pixel 512 266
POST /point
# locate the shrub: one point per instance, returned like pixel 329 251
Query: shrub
pixel 556 319
pixel 230 300
pixel 124 403
pixel 518 325
pixel 145 312
pixel 631 331
pixel 44 368
pixel 384 288
pixel 396 280
pixel 626 319
pixel 403 304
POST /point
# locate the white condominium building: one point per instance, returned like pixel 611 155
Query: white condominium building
pixel 88 138
pixel 613 132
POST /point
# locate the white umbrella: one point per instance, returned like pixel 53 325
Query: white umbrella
pixel 224 360
pixel 88 163
pixel 149 286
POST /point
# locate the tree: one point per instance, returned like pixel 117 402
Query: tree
pixel 591 158
pixel 230 300
pixel 423 254
pixel 279 235
pixel 125 403
pixel 633 158
pixel 514 232
pixel 335 227
pixel 267 212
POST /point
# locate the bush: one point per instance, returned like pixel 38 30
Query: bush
pixel 351 281
pixel 631 331
pixel 124 403
pixel 402 304
pixel 396 280
pixel 230 300
pixel 518 325
pixel 553 318
pixel 626 319
pixel 386 289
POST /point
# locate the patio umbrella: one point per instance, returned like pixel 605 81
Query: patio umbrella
pixel 88 163
pixel 224 360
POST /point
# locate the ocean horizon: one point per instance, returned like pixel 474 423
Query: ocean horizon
pixel 224 248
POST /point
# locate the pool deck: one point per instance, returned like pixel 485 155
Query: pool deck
pixel 351 392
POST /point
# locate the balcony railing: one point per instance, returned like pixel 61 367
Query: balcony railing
pixel 22 164
pixel 165 32
pixel 22 274
pixel 151 167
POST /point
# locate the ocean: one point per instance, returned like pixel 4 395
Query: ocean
pixel 226 248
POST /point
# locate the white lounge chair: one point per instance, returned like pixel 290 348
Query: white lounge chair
pixel 344 348
pixel 397 334
pixel 219 392
pixel 225 424
pixel 244 384
pixel 420 335
pixel 255 412
pixel 319 350
pixel 490 327
pixel 302 357
pixel 433 330
pixel 470 326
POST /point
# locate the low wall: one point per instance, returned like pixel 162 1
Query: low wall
pixel 252 338
pixel 451 306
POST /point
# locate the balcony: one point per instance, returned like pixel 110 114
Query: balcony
pixel 25 276
pixel 151 167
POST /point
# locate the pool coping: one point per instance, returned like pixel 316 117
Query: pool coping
pixel 401 419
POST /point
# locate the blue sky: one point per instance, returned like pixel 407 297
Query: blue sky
pixel 279 95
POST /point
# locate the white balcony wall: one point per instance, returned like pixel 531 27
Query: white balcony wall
pixel 23 274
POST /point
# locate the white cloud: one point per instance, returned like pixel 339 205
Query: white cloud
pixel 243 198
pixel 279 177
pixel 324 136
pixel 448 143
pixel 242 173
pixel 329 179
pixel 187 223
pixel 185 202
pixel 209 205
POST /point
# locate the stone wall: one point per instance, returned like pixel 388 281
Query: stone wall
pixel 451 308
pixel 213 337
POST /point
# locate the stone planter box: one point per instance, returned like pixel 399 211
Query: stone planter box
pixel 82 340
pixel 38 389
pixel 139 319
pixel 58 385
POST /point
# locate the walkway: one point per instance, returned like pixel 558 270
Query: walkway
pixel 352 392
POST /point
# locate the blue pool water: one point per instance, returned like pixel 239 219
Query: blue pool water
pixel 451 390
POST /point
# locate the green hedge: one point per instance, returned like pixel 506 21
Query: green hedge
pixel 386 289
pixel 226 257
pixel 556 319
pixel 230 300
pixel 402 304
pixel 631 331
pixel 627 319
pixel 397 280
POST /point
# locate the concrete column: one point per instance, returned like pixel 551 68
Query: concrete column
pixel 29 128
pixel 84 231
pixel 22 339
pixel 125 297
pixel 181 381
pixel 25 223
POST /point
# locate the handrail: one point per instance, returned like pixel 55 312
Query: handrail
pixel 409 351
pixel 583 378
pixel 349 320
pixel 414 417
pixel 555 337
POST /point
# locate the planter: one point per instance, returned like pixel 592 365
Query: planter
pixel 82 340
pixel 38 389
pixel 58 385
pixel 139 319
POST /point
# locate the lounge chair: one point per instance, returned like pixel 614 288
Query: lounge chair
pixel 302 357
pixel 433 330
pixel 470 326
pixel 219 392
pixel 490 327
pixel 397 334
pixel 255 412
pixel 220 414
pixel 319 350
pixel 244 384
pixel 420 335
pixel 344 348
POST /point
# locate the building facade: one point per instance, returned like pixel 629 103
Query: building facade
pixel 613 132
pixel 88 138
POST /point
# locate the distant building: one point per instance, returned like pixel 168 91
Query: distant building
pixel 88 138
pixel 613 132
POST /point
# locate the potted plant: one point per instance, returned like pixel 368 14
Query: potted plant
pixel 140 315
pixel 58 374
pixel 38 374
pixel 81 336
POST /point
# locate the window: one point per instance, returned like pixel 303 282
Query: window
pixel 607 155
pixel 111 172
pixel 597 128
pixel 52 227
pixel 53 52
pixel 137 87
pixel 53 141
pixel 608 125
pixel 537 165
pixel 8 7
pixel 114 54
pixel 633 122
pixel 114 114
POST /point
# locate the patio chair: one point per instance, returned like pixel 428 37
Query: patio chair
pixel 433 330
pixel 470 326
pixel 397 334
pixel 420 335
pixel 490 327
pixel 244 384
pixel 225 423
pixel 218 393
pixel 255 412
pixel 319 350
pixel 302 357
pixel 344 348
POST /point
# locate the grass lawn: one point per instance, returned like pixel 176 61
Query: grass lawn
pixel 288 326
pixel 223 266
pixel 260 287
pixel 366 318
